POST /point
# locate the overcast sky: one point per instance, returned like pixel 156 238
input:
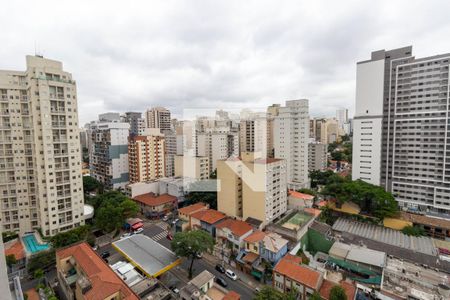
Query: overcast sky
pixel 131 55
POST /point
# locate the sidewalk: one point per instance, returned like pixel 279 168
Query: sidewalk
pixel 244 278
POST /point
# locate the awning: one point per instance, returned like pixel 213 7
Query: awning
pixel 256 274
pixel 137 225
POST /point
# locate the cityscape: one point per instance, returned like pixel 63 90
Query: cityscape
pixel 295 198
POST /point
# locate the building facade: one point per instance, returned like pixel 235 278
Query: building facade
pixel 40 156
pixel 137 123
pixel 192 166
pixel 108 155
pixel 317 156
pixel 291 137
pixel 158 117
pixel 401 135
pixel 146 157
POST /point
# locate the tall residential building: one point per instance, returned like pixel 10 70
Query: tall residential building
pixel 108 155
pixel 401 136
pixel 342 116
pixel 40 156
pixel 291 138
pixel 192 166
pixel 216 146
pixel 317 156
pixel 137 123
pixel 254 134
pixel 325 131
pixel 272 112
pixel 252 187
pixel 158 117
pixel 109 117
pixel 146 156
pixel 170 152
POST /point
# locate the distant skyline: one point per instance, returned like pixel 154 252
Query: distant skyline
pixel 217 55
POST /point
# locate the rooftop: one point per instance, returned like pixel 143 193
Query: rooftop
pixel 151 199
pixel 237 227
pixel 274 242
pixel 232 295
pixel 16 249
pixel 147 255
pixel 426 220
pixel 188 210
pixel 201 279
pixel 209 216
pixel 255 237
pixel 254 222
pixel 302 196
pixel 104 281
pixel 366 256
pixel 289 267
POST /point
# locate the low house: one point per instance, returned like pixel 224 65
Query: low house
pixel 233 232
pixel 207 220
pixel 16 249
pixel 297 200
pixel 185 215
pixel 82 274
pixel 202 287
pixel 156 206
pixel 289 274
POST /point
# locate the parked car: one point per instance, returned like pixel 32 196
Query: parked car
pixel 231 274
pixel 220 281
pixel 174 289
pixel 169 237
pixel 198 255
pixel 220 268
pixel 105 254
pixel 126 234
pixel 174 222
pixel 257 289
pixel 139 230
pixel 95 247
pixel 165 218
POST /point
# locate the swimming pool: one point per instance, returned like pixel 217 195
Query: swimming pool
pixel 32 244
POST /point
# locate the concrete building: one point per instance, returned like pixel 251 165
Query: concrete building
pixel 192 166
pixel 317 156
pixel 251 186
pixel 342 116
pixel 146 157
pixel 170 152
pixel 254 134
pixel 158 117
pixel 109 117
pixel 325 131
pixel 216 146
pixel 137 123
pixel 401 128
pixel 40 156
pixel 291 137
pixel 108 155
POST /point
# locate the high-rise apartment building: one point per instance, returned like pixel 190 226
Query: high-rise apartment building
pixel 252 187
pixel 196 167
pixel 325 131
pixel 291 138
pixel 401 136
pixel 254 134
pixel 317 156
pixel 216 146
pixel 108 153
pixel 170 152
pixel 342 116
pixel 158 117
pixel 137 123
pixel 146 156
pixel 40 157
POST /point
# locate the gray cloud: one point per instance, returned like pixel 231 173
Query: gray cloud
pixel 224 54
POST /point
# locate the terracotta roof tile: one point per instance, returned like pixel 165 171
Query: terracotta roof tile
pixel 255 237
pixel 232 295
pixel 103 279
pixel 209 216
pixel 237 227
pixel 299 273
pixel 302 196
pixel 16 249
pixel 250 257
pixel 32 294
pixel 151 199
pixel 188 210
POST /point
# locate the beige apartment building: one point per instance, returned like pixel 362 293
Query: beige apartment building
pixel 146 157
pixel 252 187
pixel 40 157
pixel 192 166
pixel 158 117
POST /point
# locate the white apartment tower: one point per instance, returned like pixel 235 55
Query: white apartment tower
pixel 40 157
pixel 158 117
pixel 291 137
pixel 401 128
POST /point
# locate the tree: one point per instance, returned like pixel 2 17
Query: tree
pixel 319 177
pixel 90 184
pixel 337 156
pixel 307 191
pixel 269 293
pixel 129 208
pixel 38 274
pixel 81 233
pixel 315 296
pixel 337 293
pixel 189 243
pixel 414 231
pixel 109 218
pixel 41 260
pixel 11 260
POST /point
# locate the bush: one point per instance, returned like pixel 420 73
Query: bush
pixel 8 236
pixel 414 231
pixel 81 233
pixel 42 260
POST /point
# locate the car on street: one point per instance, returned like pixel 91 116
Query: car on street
pixel 126 234
pixel 169 237
pixel 198 255
pixel 165 218
pixel 174 289
pixel 220 281
pixel 220 268
pixel 174 222
pixel 139 230
pixel 105 254
pixel 230 274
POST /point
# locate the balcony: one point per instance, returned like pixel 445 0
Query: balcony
pixel 59 124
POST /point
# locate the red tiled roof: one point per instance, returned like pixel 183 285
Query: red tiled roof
pixel 296 272
pixel 312 211
pixel 32 294
pixel 103 279
pixel 209 216
pixel 327 285
pixel 188 210
pixel 151 199
pixel 302 196
pixel 17 250
pixel 293 259
pixel 232 295
pixel 255 237
pixel 237 227
pixel 250 257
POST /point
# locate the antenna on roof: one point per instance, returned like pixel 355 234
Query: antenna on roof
pixel 36 53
